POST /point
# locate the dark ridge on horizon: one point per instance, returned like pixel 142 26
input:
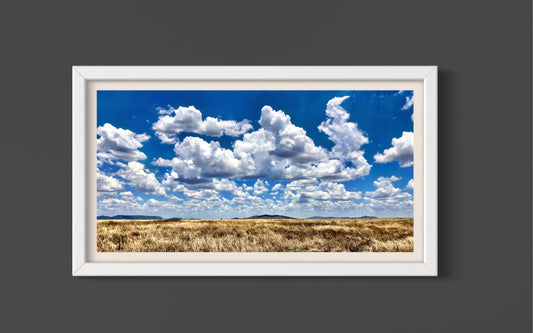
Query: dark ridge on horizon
pixel 267 216
pixel 129 217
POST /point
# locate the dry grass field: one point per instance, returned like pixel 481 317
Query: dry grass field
pixel 256 235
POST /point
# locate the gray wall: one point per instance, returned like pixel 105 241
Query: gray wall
pixel 483 50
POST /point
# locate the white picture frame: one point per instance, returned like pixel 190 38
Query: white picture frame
pixel 82 76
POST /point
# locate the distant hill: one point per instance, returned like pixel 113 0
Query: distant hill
pixel 266 216
pixel 129 217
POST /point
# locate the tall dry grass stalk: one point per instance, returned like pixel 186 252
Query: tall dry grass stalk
pixel 268 235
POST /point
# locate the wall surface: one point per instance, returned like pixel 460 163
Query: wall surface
pixel 483 49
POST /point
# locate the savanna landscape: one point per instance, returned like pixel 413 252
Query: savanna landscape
pixel 256 235
pixel 190 170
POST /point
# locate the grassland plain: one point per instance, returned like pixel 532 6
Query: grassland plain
pixel 256 235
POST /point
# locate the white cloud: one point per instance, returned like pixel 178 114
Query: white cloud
pixel 208 189
pixel 299 184
pixel 172 183
pixel 388 197
pixel 347 136
pixel 306 191
pixel 158 205
pixel 410 185
pixel 125 204
pixel 385 188
pixel 409 101
pixel 338 192
pixel 276 187
pixel 141 179
pixel 198 162
pixel 259 187
pixel 161 162
pixel 283 151
pixel 291 142
pixel 197 159
pixel 257 146
pixel 224 185
pixel 218 185
pixel 245 200
pixel 128 195
pixel 189 119
pixel 115 205
pixel 163 111
pixel 118 143
pixel 401 151
pixel 200 194
pixel 107 183
pixel 335 170
pixel 278 150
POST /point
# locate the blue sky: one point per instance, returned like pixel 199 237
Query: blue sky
pixel 224 154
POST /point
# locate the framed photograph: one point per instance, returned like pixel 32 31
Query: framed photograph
pixel 254 171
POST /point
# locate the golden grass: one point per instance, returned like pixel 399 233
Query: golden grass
pixel 257 235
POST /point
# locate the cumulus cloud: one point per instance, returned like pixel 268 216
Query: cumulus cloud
pixel 332 170
pixel 304 191
pixel 256 146
pixel 283 151
pixel 107 183
pixel 278 150
pixel 200 194
pixel 338 192
pixel 409 101
pixel 218 185
pixel 160 205
pixel 410 185
pixel 222 185
pixel 388 197
pixel 116 205
pixel 385 188
pixel 291 142
pixel 161 162
pixel 118 143
pixel 259 187
pixel 128 195
pixel 197 159
pixel 199 162
pixel 126 203
pixel 401 151
pixel 347 136
pixel 141 179
pixel 189 119
pixel 172 183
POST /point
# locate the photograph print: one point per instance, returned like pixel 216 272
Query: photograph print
pixel 255 171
